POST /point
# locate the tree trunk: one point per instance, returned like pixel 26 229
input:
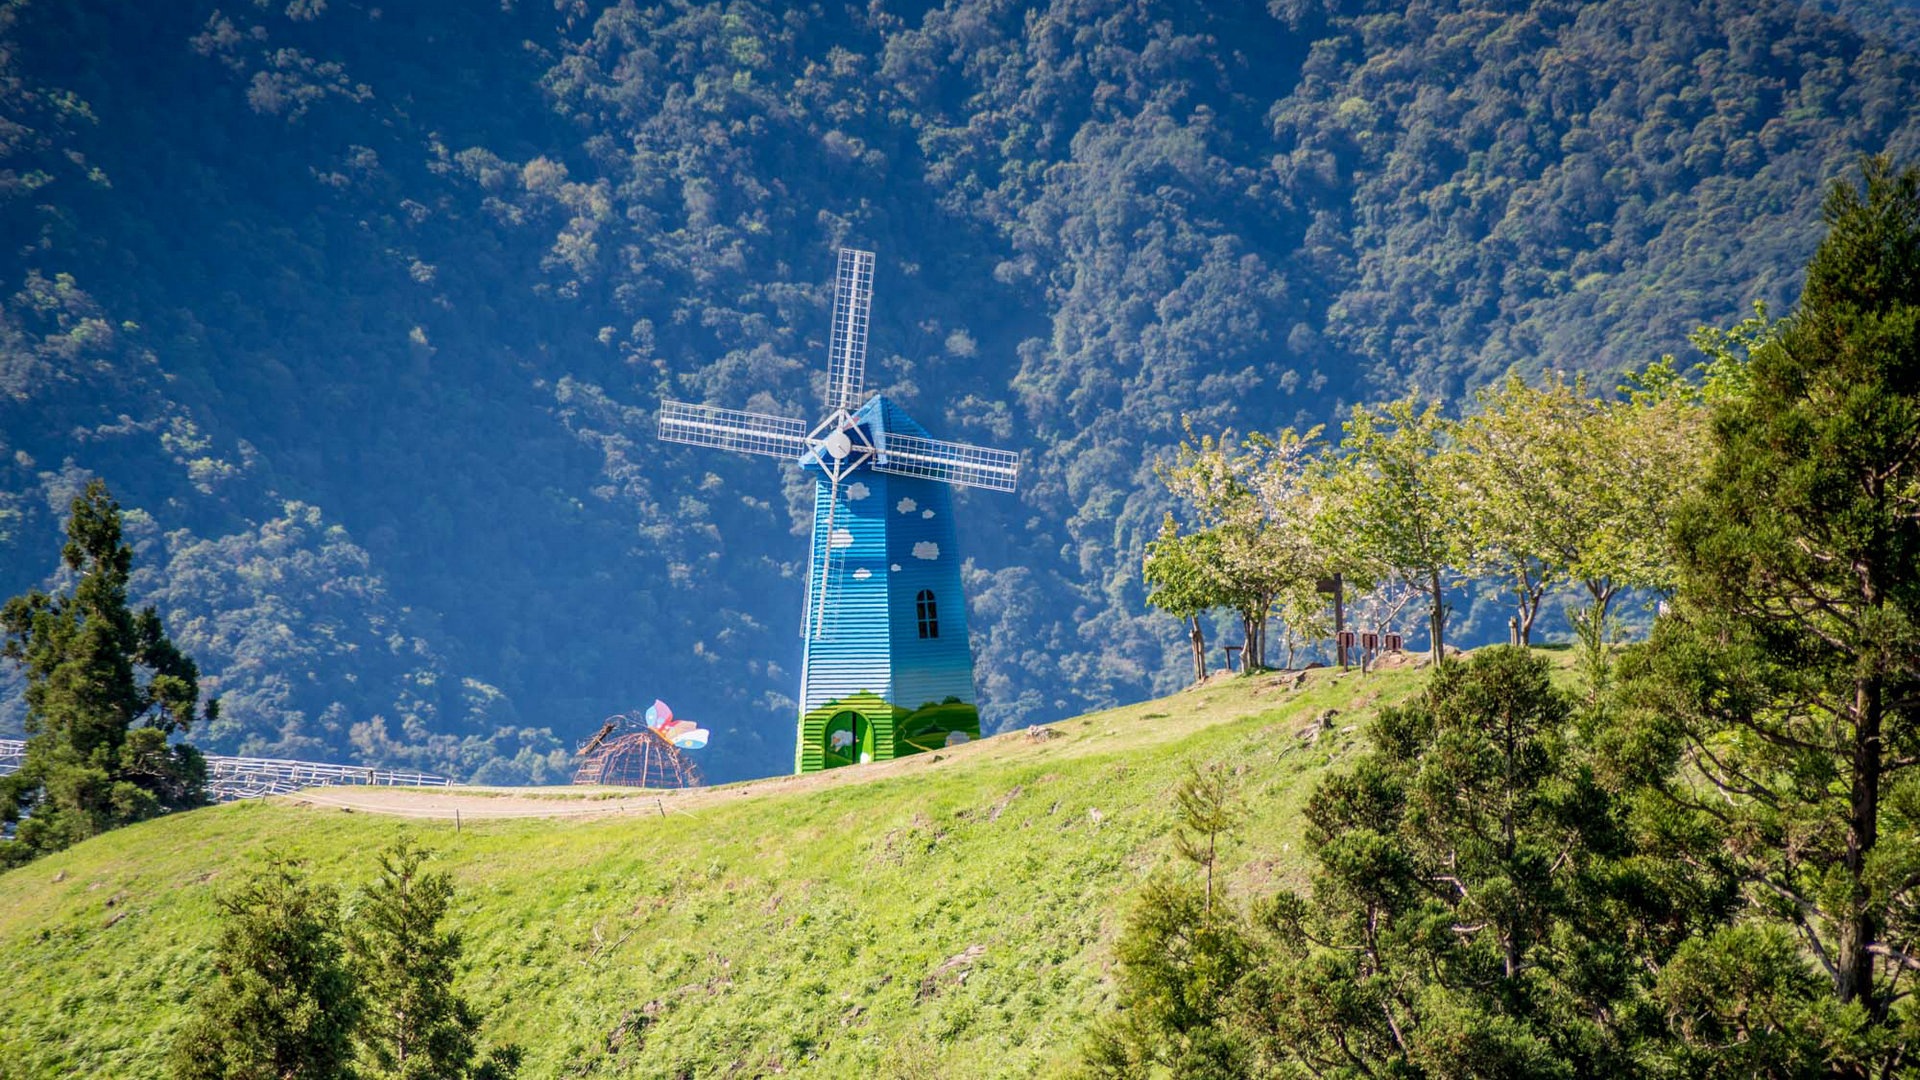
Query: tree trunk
pixel 1603 592
pixel 1437 622
pixel 1199 650
pixel 1859 925
pixel 1530 595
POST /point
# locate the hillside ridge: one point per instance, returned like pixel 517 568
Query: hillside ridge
pixel 795 925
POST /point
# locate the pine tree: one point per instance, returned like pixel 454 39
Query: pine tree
pixel 1181 956
pixel 1781 703
pixel 1207 813
pixel 415 1027
pixel 1477 908
pixel 105 690
pixel 284 1003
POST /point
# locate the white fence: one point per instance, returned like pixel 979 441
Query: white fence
pixel 230 778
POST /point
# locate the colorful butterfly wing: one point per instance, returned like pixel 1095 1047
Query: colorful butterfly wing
pixel 658 714
pixel 692 740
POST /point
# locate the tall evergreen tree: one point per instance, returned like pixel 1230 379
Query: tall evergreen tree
pixel 1778 705
pixel 285 1002
pixel 105 690
pixel 415 1027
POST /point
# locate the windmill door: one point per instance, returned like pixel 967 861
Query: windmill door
pixel 847 740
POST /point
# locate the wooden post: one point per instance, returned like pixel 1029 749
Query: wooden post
pixel 1339 618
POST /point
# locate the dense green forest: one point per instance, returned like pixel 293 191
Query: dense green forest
pixel 363 310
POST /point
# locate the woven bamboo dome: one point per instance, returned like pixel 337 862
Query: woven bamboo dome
pixel 628 753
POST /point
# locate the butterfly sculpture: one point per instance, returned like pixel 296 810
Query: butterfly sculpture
pixel 684 734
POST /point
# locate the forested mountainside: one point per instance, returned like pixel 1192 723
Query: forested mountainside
pixel 365 308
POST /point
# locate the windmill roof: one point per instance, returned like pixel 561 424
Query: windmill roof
pixel 883 416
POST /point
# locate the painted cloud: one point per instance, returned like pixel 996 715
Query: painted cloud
pixel 906 506
pixel 926 513
pixel 926 549
pixel 841 538
pixel 862 574
pixel 857 491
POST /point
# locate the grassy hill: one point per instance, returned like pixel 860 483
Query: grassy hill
pixel 947 914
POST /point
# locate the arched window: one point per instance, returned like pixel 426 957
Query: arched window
pixel 927 614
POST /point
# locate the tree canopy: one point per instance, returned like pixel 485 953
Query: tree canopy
pixel 1776 706
pixel 367 312
pixel 105 688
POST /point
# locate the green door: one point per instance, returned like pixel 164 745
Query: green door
pixel 848 740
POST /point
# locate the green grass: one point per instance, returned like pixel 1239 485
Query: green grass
pixel 794 932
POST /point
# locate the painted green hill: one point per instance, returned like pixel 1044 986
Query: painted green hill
pixel 944 915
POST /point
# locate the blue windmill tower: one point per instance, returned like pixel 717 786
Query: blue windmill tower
pixel 887 669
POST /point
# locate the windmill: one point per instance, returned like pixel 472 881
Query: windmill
pixel 886 669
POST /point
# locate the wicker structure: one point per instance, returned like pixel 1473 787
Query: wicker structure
pixel 627 753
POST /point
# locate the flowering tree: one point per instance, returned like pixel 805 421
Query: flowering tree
pixel 1391 506
pixel 1252 509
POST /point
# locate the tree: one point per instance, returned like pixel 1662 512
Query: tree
pixel 1304 617
pixel 1518 458
pixel 1390 506
pixel 1777 703
pixel 1560 485
pixel 1475 906
pixel 1254 509
pixel 415 1027
pixel 105 690
pixel 1180 578
pixel 1181 958
pixel 284 1004
pixel 1644 457
pixel 1207 813
pixel 1379 608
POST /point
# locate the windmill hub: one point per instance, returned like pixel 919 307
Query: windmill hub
pixel 839 445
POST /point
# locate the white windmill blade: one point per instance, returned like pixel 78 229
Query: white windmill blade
pixel 952 462
pixel 732 429
pixel 847 346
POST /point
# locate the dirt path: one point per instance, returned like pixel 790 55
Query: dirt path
pixel 451 803
pixel 490 803
pixel 1127 728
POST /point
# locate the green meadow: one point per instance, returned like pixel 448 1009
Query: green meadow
pixel 949 916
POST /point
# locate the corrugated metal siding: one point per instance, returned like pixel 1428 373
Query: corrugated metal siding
pixel 926 670
pixel 850 652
